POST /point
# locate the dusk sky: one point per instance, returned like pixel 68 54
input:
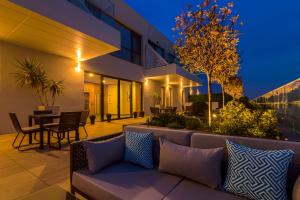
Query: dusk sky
pixel 270 41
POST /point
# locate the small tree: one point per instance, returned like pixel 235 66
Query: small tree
pixel 234 87
pixel 227 70
pixel 206 39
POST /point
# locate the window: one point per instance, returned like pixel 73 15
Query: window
pixel 157 48
pixel 130 45
pixel 130 41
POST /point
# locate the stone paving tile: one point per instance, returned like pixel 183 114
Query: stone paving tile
pixel 22 173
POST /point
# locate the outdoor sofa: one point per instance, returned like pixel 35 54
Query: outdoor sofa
pixel 129 181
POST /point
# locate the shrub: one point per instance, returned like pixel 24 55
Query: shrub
pixel 236 119
pixel 192 123
pixel 175 125
pixel 164 119
pixel 199 108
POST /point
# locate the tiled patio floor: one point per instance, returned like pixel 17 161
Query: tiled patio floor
pixel 22 173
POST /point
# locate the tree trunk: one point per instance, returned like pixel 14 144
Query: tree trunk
pixel 53 100
pixel 209 98
pixel 223 94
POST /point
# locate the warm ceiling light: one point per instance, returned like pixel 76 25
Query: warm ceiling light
pixel 91 74
pixel 103 81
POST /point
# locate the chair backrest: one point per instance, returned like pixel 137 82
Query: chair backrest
pixel 15 122
pixel 69 121
pixel 152 109
pixel 43 112
pixel 174 109
pixel 84 116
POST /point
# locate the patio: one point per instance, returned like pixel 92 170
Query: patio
pixel 22 173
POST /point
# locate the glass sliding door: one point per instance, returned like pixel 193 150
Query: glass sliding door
pixel 136 97
pixel 92 94
pixel 125 99
pixel 110 97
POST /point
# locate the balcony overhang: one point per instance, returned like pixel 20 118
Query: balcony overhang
pixel 56 27
pixel 173 74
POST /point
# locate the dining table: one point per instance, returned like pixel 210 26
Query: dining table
pixel 41 118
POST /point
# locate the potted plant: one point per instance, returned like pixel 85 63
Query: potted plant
pixel 108 117
pixel 92 119
pixel 135 114
pixel 141 114
pixel 30 74
pixel 55 89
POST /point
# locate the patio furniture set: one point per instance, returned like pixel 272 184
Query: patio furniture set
pixel 41 121
pixel 182 164
pixel 156 111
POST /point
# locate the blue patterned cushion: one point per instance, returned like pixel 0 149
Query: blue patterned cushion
pixel 138 148
pixel 257 174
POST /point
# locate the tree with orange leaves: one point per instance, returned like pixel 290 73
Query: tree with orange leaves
pixel 206 39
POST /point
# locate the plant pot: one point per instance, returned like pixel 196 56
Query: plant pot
pixel 108 117
pixel 54 109
pixel 41 108
pixel 141 114
pixel 135 114
pixel 92 119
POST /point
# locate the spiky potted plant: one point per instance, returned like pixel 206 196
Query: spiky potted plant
pixel 30 74
pixel 55 89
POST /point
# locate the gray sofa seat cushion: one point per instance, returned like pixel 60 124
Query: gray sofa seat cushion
pixel 181 137
pixel 125 181
pixel 194 191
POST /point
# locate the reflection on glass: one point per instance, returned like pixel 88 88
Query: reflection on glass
pixel 136 97
pixel 125 99
pixel 92 91
pixel 110 97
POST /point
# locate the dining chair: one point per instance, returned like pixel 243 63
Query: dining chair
pixel 173 110
pixel 22 131
pixel 83 120
pixel 69 121
pixel 154 111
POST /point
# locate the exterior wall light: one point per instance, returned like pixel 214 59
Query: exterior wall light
pixel 146 81
pixel 91 74
pixel 78 67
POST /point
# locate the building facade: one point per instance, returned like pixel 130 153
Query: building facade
pixel 110 58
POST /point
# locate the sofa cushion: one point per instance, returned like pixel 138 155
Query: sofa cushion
pixel 138 148
pixel 257 174
pixel 181 137
pixel 201 165
pixel 194 191
pixel 125 181
pixel 102 154
pixel 202 140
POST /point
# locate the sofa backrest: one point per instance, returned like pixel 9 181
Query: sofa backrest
pixel 181 137
pixel 205 141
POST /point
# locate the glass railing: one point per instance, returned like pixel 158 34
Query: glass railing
pixel 286 100
pixel 103 10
